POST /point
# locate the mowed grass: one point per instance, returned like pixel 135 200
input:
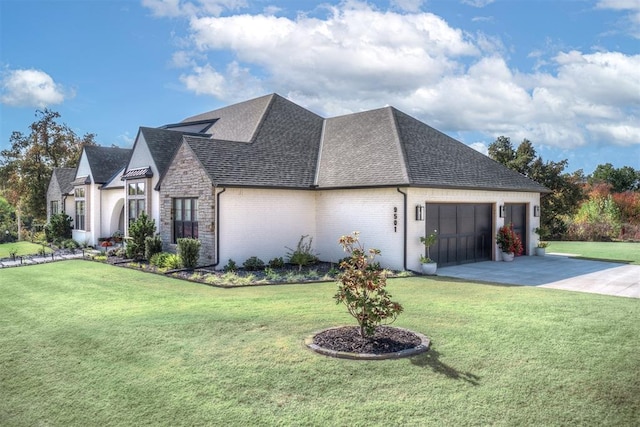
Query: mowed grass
pixel 21 249
pixel 608 251
pixel 87 344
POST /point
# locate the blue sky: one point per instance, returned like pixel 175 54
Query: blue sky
pixel 563 74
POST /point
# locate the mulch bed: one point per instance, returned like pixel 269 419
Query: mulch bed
pixel 385 339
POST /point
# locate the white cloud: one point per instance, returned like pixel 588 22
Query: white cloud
pixel 358 57
pixel 480 147
pixel 30 88
pixel 632 7
pixel 235 84
pixel 478 3
pixel 175 8
pixel 408 5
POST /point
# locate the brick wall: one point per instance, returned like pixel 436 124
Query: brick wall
pixel 185 178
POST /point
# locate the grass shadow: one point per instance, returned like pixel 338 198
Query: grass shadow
pixel 431 359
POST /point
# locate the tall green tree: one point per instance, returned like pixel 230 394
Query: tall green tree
pixel 26 167
pixel 621 179
pixel 567 193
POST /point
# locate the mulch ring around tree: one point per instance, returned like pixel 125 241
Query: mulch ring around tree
pixel 387 342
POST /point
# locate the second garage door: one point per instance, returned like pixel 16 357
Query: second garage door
pixel 464 232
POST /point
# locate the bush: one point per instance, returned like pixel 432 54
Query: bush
pixel 166 260
pixel 152 246
pixel 189 252
pixel 276 263
pixel 361 287
pixel 139 230
pixel 254 263
pixel 231 266
pixel 303 255
pixel 59 228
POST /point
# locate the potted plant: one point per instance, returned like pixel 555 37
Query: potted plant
pixel 508 242
pixel 428 265
pixel 117 236
pixel 541 248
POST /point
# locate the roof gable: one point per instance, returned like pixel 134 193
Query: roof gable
pixel 105 162
pixel 162 145
pixel 64 178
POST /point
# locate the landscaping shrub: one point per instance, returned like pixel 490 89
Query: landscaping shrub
pixel 189 252
pixel 276 263
pixel 152 246
pixel 139 230
pixel 166 260
pixel 303 255
pixel 254 263
pixel 231 266
pixel 361 287
pixel 59 228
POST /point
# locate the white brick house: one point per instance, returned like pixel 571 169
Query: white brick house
pixel 266 171
pixel 251 178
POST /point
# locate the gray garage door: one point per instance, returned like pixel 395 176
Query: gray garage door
pixel 516 214
pixel 464 232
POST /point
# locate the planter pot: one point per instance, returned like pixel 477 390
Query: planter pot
pixel 507 256
pixel 541 251
pixel 429 268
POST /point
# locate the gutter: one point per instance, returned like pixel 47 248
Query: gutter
pixel 217 232
pixel 404 259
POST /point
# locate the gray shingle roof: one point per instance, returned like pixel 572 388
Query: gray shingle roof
pixel 65 177
pixel 361 149
pixel 237 122
pixel 105 162
pixel 434 159
pixel 162 145
pixel 272 142
pixel 283 151
pixel 389 147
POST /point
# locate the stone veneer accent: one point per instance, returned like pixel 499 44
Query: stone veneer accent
pixel 186 178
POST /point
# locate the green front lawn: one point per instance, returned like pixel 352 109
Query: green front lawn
pixel 21 249
pixel 83 343
pixel 614 251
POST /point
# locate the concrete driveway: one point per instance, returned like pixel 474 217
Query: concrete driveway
pixel 554 271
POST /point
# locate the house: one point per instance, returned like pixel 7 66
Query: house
pixel 251 178
pixel 267 171
pixel 99 193
pixel 60 192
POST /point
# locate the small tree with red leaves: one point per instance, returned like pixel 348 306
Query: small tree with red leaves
pixel 361 287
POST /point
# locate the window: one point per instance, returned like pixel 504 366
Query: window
pixel 185 218
pixel 55 207
pixel 136 199
pixel 80 214
pixel 80 223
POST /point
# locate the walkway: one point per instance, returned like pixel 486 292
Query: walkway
pixel 40 259
pixel 554 271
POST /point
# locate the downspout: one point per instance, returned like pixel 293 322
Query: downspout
pixel 217 232
pixel 404 196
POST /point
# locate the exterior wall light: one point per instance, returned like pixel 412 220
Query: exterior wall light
pixel 501 211
pixel 536 211
pixel 419 213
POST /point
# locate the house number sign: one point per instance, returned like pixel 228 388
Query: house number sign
pixel 395 219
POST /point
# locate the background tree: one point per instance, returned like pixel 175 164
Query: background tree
pixel 8 226
pixel 558 206
pixel 26 167
pixel 621 179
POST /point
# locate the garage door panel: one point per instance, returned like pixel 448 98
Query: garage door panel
pixel 464 232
